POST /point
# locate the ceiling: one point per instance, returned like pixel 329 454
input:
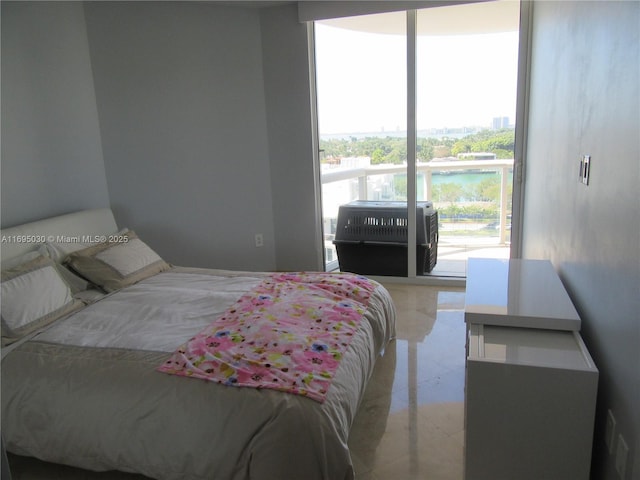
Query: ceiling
pixel 485 17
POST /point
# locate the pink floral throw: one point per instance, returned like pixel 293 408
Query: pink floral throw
pixel 288 334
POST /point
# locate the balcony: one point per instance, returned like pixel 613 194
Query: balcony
pixel 461 235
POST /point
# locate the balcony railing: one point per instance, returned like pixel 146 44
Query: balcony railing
pixel 363 174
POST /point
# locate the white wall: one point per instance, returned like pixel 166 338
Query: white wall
pixel 181 103
pixel 181 143
pixel 51 151
pixel 294 182
pixel 585 99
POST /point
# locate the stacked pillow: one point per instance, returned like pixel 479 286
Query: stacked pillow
pixel 117 263
pixel 34 294
pixel 37 289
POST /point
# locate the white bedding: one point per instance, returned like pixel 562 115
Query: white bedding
pixel 85 391
pixel 168 308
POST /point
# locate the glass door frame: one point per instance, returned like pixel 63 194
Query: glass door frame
pixel 412 141
pixel 522 89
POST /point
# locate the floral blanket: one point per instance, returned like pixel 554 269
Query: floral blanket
pixel 288 334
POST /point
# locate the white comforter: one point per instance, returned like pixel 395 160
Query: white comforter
pixel 167 307
pixel 85 392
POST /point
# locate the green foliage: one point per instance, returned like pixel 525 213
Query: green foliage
pixel 387 150
pixel 500 142
pixel 472 212
pixel 393 150
pixel 447 192
pixel 487 190
pixel 400 186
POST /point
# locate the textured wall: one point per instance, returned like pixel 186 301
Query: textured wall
pixel 585 100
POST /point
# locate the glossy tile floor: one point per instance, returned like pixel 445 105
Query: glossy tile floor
pixel 411 421
pixel 453 254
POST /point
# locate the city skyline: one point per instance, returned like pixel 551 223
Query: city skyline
pixel 437 132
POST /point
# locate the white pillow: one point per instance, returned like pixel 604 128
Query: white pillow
pixel 116 264
pixel 128 258
pixel 33 295
pixel 19 260
pixel 59 251
pixel 77 283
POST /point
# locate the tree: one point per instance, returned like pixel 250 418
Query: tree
pixel 440 151
pixel 487 190
pixel 461 146
pixel 377 156
pixel 393 150
pixel 447 192
pixel 500 142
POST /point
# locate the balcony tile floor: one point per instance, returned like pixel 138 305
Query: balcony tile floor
pixel 453 255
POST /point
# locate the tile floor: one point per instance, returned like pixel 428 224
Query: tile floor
pixel 411 421
pixel 454 253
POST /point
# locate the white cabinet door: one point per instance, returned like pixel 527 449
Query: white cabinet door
pixel 530 404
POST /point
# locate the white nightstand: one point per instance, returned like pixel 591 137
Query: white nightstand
pixel 517 293
pixel 531 385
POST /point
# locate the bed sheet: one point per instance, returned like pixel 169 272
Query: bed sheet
pixel 86 392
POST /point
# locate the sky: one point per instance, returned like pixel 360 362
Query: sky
pixel 461 80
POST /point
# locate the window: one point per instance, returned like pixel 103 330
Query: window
pixel 465 106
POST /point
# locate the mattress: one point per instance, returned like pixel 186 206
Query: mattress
pixel 85 391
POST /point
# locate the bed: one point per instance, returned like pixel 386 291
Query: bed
pixel 95 364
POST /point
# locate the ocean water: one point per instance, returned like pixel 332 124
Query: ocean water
pixel 463 178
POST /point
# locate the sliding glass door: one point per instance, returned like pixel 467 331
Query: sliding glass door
pixel 463 102
pixel 467 67
pixel 362 114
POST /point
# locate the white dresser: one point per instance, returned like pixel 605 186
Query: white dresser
pixel 531 384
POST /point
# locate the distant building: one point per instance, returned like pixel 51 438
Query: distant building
pixel 500 122
pixel 477 156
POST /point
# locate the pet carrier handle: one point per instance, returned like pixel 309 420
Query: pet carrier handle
pixel 369 242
